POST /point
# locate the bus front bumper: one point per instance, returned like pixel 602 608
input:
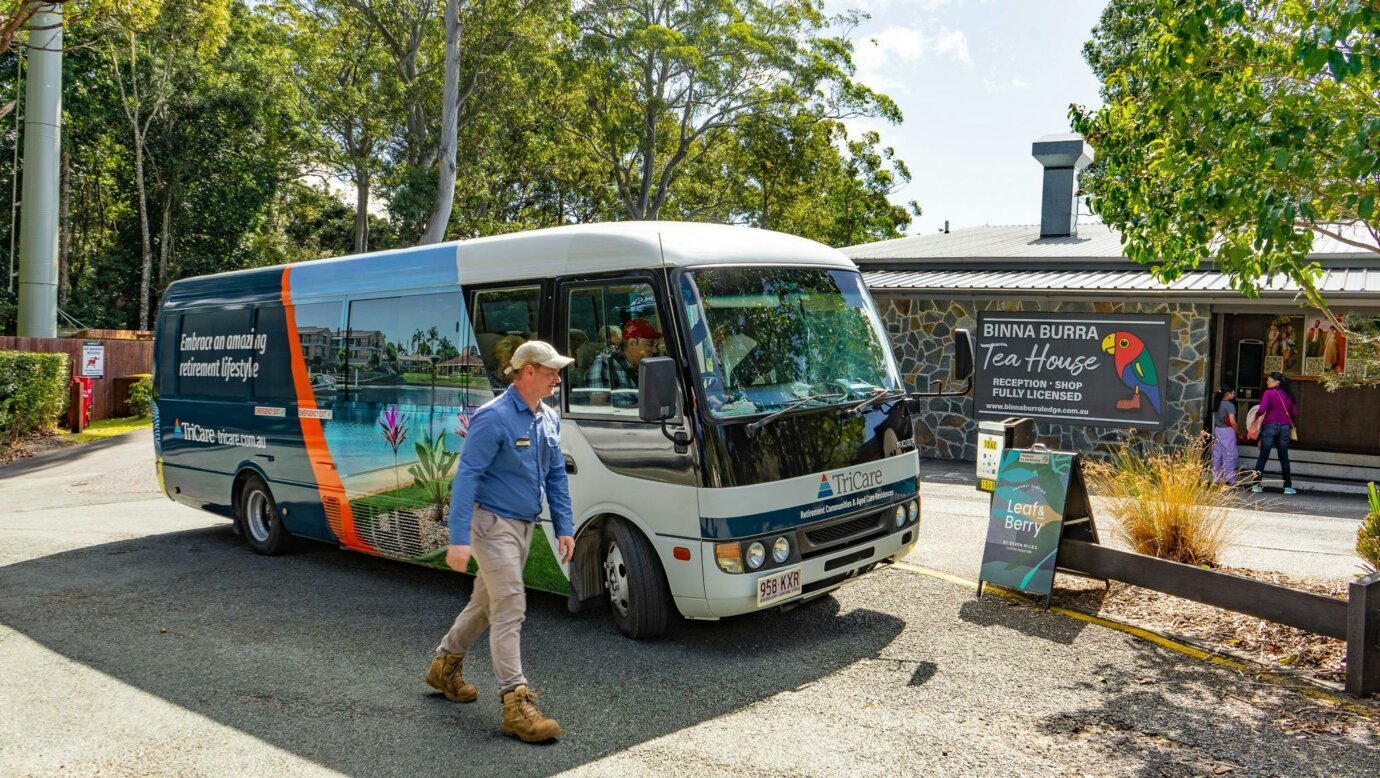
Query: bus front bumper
pixel 730 594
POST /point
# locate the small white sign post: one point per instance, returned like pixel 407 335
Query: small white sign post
pixel 93 359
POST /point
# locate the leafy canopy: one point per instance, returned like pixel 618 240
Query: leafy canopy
pixel 1236 132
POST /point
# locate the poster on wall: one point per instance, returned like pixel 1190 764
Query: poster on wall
pixel 1093 370
pixel 1284 341
pixel 1324 347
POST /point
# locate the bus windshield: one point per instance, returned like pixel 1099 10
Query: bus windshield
pixel 769 338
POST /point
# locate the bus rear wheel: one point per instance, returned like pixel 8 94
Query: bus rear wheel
pixel 260 520
pixel 638 597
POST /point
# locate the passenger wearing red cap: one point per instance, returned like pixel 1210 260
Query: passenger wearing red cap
pixel 616 368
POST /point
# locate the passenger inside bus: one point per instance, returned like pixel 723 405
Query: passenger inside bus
pixel 615 370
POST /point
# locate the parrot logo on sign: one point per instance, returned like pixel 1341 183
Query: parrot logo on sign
pixel 1135 368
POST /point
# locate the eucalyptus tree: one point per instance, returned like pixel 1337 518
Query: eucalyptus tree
pixel 340 65
pixel 668 81
pixel 150 45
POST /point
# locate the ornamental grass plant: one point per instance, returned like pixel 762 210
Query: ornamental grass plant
pixel 1164 502
pixel 1368 534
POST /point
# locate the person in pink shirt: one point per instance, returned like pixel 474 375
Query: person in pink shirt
pixel 1277 413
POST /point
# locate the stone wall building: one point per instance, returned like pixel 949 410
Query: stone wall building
pixel 928 285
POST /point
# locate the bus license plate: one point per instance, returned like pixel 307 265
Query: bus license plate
pixel 778 586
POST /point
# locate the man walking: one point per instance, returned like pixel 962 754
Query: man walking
pixel 512 455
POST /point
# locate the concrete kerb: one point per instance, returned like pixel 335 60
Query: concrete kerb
pixel 1316 689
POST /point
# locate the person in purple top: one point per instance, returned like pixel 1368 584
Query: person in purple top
pixel 1277 413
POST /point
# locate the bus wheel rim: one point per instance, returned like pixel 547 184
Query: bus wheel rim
pixel 257 517
pixel 616 578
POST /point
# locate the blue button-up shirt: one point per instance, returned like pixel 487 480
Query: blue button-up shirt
pixel 511 457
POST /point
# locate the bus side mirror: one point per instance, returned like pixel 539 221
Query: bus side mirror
pixel 656 389
pixel 963 355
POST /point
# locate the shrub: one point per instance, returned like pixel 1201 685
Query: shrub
pixel 1164 501
pixel 141 396
pixel 1368 535
pixel 33 391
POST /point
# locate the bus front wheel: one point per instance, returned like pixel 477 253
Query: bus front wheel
pixel 638 596
pixel 260 520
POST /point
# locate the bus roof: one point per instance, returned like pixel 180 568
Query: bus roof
pixel 570 250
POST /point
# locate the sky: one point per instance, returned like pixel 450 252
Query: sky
pixel 977 82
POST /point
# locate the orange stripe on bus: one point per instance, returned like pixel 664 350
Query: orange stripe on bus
pixel 341 519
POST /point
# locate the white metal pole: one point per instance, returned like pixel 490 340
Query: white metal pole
pixel 38 226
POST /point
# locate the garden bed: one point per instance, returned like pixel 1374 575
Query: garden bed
pixel 1276 646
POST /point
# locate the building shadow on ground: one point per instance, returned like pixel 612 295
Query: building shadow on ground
pixel 322 653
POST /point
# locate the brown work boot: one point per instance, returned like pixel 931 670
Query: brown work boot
pixel 447 674
pixel 522 720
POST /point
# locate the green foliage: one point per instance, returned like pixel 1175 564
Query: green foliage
pixel 667 85
pixel 1165 502
pixel 255 120
pixel 1234 132
pixel 433 469
pixel 1368 535
pixel 33 391
pixel 141 397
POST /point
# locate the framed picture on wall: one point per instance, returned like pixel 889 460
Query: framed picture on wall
pixel 1284 341
pixel 1324 347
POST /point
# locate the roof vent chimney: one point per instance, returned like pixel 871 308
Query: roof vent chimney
pixel 1063 156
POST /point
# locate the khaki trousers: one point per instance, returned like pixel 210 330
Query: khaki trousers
pixel 499 600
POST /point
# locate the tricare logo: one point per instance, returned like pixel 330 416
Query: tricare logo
pixel 824 489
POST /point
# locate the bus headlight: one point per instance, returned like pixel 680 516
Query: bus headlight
pixel 900 515
pixel 781 550
pixel 729 557
pixel 756 555
pixel 914 509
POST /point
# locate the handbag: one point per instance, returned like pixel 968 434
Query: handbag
pixel 1253 432
pixel 1293 431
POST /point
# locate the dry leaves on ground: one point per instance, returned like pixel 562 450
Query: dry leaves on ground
pixel 30 445
pixel 1270 644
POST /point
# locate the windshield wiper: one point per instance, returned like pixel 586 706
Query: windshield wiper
pixel 868 402
pixel 787 408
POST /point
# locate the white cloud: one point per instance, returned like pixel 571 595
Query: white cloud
pixel 992 81
pixel 953 43
pixel 882 57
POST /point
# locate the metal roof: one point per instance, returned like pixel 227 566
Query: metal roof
pixel 1015 259
pixel 1336 281
pixel 1014 243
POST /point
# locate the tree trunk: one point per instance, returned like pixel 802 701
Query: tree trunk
pixel 146 252
pixel 165 237
pixel 450 115
pixel 361 208
pixel 64 226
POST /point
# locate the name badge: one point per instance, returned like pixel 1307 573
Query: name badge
pixel 524 442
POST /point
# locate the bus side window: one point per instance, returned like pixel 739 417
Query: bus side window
pixel 626 329
pixel 405 349
pixel 272 361
pixel 503 320
pixel 322 343
pixel 205 339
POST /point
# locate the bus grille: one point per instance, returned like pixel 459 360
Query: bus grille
pixel 836 532
pixel 403 533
